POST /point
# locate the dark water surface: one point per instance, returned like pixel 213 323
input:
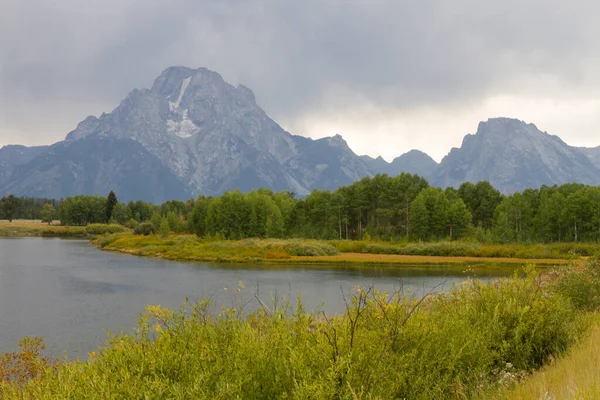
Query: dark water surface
pixel 69 292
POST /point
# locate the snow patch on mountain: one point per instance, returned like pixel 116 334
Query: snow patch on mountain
pixel 174 106
pixel 184 128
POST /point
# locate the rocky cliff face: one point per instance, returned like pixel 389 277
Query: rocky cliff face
pixel 593 154
pixel 214 137
pixel 513 156
pixel 413 162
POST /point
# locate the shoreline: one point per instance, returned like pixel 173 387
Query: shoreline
pixel 169 249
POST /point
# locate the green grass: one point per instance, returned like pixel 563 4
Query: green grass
pixel 192 248
pixel 450 346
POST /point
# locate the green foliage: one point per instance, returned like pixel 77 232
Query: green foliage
pixel 385 208
pixel 444 346
pixel 48 213
pixel 145 229
pixel 580 285
pixel 111 202
pixel 103 229
pixel 9 207
pixel 188 247
pixel 82 210
pixel 164 229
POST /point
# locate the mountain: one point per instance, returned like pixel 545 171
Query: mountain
pixel 96 165
pixel 593 154
pixel 513 156
pixel 413 162
pixel 14 155
pixel 194 134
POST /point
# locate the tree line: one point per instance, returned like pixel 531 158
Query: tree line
pixel 404 207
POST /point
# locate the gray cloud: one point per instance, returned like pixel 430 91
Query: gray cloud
pixel 62 60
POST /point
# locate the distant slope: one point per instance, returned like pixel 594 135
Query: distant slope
pixel 96 166
pixel 593 154
pixel 413 162
pixel 514 156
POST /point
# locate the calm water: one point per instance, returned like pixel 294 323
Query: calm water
pixel 68 292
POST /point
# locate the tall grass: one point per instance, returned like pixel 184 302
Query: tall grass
pixel 574 376
pixel 452 345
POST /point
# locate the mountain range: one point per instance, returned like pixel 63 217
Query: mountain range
pixel 193 134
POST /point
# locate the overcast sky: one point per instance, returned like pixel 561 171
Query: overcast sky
pixel 389 76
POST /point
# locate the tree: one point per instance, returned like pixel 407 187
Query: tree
pixel 111 202
pixel 48 213
pixel 164 229
pixel 10 205
pixel 430 214
pixel 459 219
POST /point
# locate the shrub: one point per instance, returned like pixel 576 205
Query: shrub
pixel 581 285
pixel 102 229
pixel 145 228
pixel 132 224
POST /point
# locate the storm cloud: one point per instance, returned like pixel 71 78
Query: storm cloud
pixel 387 75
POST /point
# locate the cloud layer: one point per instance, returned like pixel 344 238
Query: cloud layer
pixel 387 75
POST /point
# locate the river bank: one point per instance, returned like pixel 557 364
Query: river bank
pixel 37 228
pixel 298 251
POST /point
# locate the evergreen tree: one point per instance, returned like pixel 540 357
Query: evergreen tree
pixel 111 202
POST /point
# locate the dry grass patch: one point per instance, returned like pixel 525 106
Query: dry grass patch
pixel 402 259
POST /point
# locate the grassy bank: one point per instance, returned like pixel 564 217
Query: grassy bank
pixel 477 339
pixel 32 228
pixel 471 249
pixel 192 248
pixel 574 376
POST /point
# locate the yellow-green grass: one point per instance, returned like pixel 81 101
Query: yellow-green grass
pixel 471 249
pixel 576 375
pixel 33 228
pixel 37 228
pixel 279 251
pixel 426 260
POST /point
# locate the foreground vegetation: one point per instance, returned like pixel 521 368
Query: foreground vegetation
pixel 476 340
pixel 574 376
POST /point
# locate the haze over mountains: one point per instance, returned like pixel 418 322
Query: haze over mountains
pixel 192 133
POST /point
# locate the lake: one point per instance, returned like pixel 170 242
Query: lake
pixel 69 292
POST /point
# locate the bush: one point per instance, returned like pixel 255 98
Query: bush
pixel 145 228
pixel 581 285
pixel 102 229
pixel 132 224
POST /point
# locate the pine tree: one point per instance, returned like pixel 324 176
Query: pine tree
pixel 110 205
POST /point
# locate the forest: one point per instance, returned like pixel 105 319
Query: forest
pixel 400 208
